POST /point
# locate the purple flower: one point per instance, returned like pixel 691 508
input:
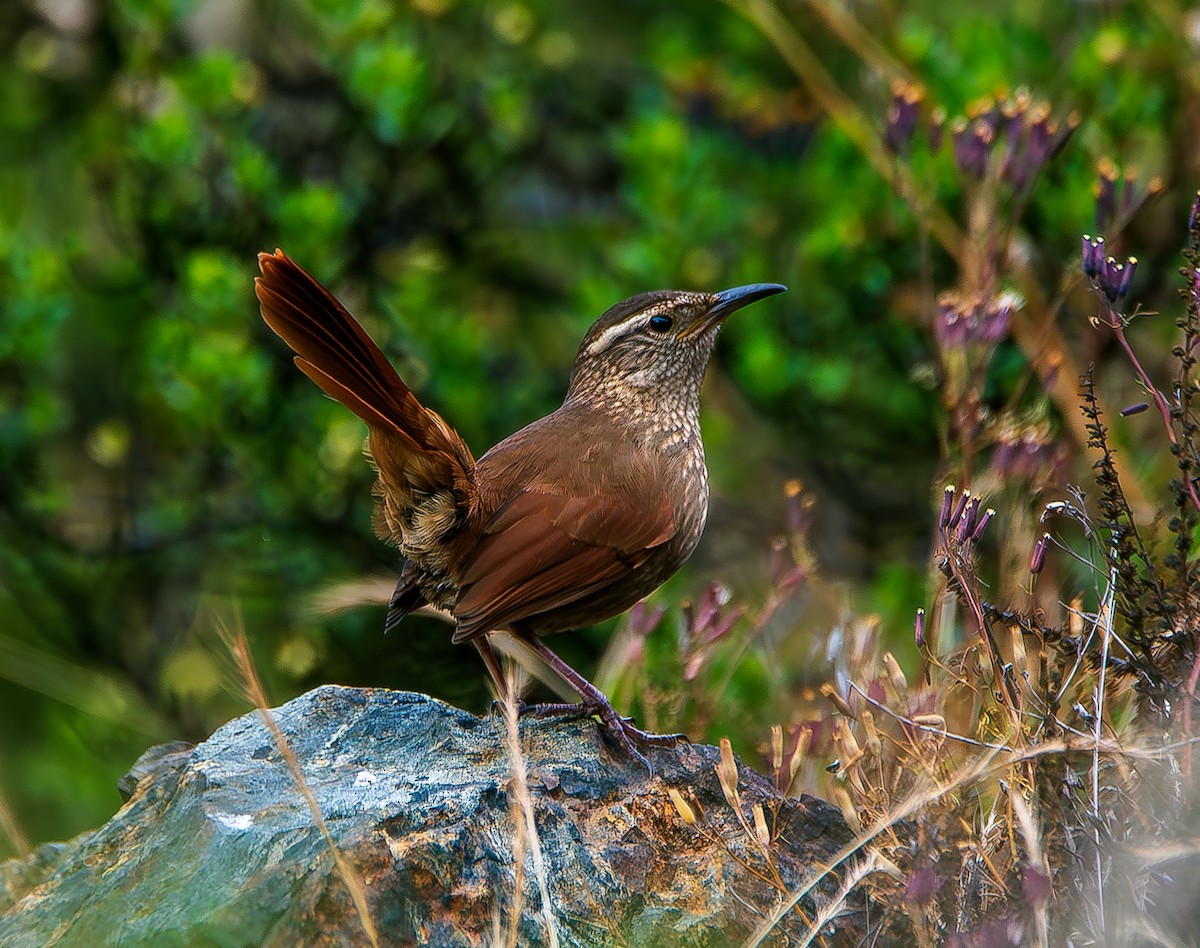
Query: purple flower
pixel 947 507
pixel 902 117
pixel 1108 276
pixel 1093 255
pixel 922 886
pixel 982 525
pixel 962 323
pixel 972 145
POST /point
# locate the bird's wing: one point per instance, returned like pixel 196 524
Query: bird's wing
pixel 413 448
pixel 542 551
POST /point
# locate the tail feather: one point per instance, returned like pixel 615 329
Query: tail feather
pixel 324 335
pixel 420 451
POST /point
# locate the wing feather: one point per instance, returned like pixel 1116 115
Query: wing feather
pixel 543 551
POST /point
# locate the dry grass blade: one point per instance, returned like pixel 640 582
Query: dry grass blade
pixel 849 118
pixel 239 649
pixel 12 829
pixel 983 766
pixel 1035 858
pixel 107 696
pixel 829 912
pixel 525 819
pixel 332 598
pixel 1104 621
pixel 685 810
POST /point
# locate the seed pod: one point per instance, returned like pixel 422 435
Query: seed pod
pixel 982 525
pixel 1038 560
pixel 947 507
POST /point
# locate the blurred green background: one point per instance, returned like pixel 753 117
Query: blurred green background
pixel 477 181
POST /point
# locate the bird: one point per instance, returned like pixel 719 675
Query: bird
pixel 565 523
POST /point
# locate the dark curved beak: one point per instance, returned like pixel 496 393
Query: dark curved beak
pixel 729 300
pixel 739 296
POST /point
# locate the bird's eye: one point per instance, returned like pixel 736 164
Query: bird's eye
pixel 661 323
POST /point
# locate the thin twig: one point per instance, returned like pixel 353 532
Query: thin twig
pixel 788 41
pixel 1116 322
pixel 524 803
pixel 1105 618
pixel 239 648
pixel 12 829
pixel 863 868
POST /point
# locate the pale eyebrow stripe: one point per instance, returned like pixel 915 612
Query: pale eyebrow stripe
pixel 601 341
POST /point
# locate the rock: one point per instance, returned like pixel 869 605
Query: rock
pixel 216 844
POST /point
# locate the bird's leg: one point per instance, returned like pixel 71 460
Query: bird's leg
pixel 496 672
pixel 595 702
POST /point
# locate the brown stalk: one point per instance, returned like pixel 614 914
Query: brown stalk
pixel 12 829
pixel 524 818
pixel 1035 329
pixel 849 118
pixel 239 648
pixel 865 46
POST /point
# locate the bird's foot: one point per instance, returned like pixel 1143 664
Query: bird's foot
pixel 619 728
pixel 606 713
pixel 554 709
pixel 626 733
pixel 626 729
pixel 496 709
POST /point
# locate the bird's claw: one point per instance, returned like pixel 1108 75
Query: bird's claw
pixel 554 709
pixel 497 707
pixel 621 729
pixel 629 735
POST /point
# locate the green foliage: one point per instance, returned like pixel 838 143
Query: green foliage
pixel 478 181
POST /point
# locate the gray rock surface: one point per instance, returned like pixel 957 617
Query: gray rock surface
pixel 217 846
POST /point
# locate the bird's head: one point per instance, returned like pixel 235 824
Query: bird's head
pixel 656 340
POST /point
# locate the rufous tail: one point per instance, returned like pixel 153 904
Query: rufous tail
pixel 411 443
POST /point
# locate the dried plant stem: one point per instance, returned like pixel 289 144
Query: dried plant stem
pixel 727 776
pixel 775 599
pixel 1190 691
pixel 898 814
pixel 927 728
pixel 12 829
pixel 525 820
pixel 1023 815
pixel 239 648
pixel 849 118
pixel 1104 621
pixel 965 587
pixel 843 24
pixel 863 868
pixel 1117 322
pixel 982 767
pixel 1035 330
